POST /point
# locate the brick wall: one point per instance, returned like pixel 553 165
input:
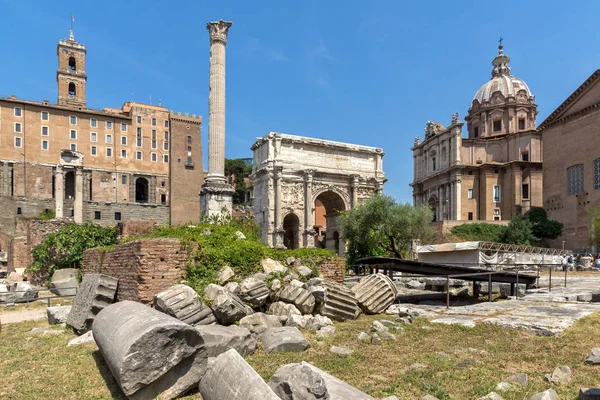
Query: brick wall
pixel 18 255
pixel 144 267
pixel 333 268
pixel 131 228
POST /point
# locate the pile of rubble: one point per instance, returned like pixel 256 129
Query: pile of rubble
pixel 188 341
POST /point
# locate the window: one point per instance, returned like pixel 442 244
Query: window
pixel 97 215
pixel 93 137
pixel 497 125
pixel 597 173
pixel 18 127
pixel 153 133
pixel 45 131
pixel 73 147
pixel 153 157
pixel 108 124
pixel 525 156
pixel 108 152
pixel 72 64
pixel 138 142
pixel 117 216
pixel 154 144
pixel 496 193
pixel 470 216
pixel 44 145
pixel 575 179
pixel 108 139
pixel 123 127
pixel 476 132
pixel 521 124
pixel 138 155
pixel 94 150
pixel 124 179
pixel 189 139
pixel 124 140
pixel 470 193
pixel 166 135
pixel 19 211
pixel 139 119
pixel 18 112
pixel 163 198
pixel 93 123
pixel 525 191
pixel 497 211
pixel 166 158
pixel 17 141
pixel 166 123
pixel 189 161
pixel 190 152
pixel 72 89
pixel 166 146
pixel 432 160
pixel 123 153
pixel 73 120
pixel 153 121
pixel 73 134
pixel 45 116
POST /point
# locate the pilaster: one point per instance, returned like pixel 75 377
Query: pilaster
pixel 78 204
pixel 59 191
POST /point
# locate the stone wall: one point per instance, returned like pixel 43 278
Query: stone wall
pixel 131 228
pixel 14 207
pixel 110 212
pixel 144 267
pixel 333 268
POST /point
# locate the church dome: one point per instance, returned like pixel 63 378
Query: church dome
pixel 502 81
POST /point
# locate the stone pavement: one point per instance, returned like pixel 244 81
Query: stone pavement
pixel 540 311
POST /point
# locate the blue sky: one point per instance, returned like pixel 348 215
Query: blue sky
pixel 366 72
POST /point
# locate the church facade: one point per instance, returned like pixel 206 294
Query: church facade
pixel 492 171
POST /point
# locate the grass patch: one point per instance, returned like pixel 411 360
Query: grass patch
pixel 462 363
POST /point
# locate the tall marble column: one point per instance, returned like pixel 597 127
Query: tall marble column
pixel 78 204
pixel 309 232
pixel 216 194
pixel 59 192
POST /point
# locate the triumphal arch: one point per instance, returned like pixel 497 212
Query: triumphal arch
pixel 301 185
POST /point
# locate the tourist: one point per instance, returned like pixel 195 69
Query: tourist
pixel 564 262
pixel 598 261
pixel 571 262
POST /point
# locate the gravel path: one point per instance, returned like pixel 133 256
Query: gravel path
pixel 12 317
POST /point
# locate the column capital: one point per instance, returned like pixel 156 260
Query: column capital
pixel 59 169
pixel 355 180
pixel 218 30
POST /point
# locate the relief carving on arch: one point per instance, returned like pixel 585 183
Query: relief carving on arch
pixel 293 194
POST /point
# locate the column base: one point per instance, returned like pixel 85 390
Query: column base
pixel 309 238
pixel 216 199
pixel 278 239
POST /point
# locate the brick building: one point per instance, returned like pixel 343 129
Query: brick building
pixel 572 163
pixel 496 171
pixel 137 162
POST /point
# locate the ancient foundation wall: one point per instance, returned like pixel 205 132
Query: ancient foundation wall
pixel 144 267
pixel 110 214
pixel 333 268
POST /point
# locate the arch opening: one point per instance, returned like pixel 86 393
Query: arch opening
pixel 70 185
pixel 433 204
pixel 291 228
pixel 328 206
pixel 72 64
pixel 141 190
pixel 72 89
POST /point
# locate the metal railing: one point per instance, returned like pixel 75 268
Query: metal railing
pixel 47 298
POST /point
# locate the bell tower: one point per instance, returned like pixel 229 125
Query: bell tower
pixel 71 77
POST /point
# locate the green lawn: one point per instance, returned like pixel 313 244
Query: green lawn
pixel 462 363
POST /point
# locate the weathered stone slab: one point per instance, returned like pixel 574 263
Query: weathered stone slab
pixel 560 375
pixel 337 389
pixel 23 291
pixel 301 298
pixel 455 320
pixel 260 322
pixel 233 287
pixel 317 322
pixel 594 357
pixel 338 302
pixel 271 266
pixel 298 381
pixel 96 292
pixel 149 352
pixel 254 292
pixel 304 271
pixel 374 293
pixel 86 338
pixel 230 377
pixel 228 308
pixel 226 273
pixel 58 314
pixel 63 279
pixel 340 351
pixel 212 290
pixel 281 308
pixel 182 302
pixel 549 394
pixel 218 339
pixel 287 338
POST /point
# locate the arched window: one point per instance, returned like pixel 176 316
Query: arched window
pixel 72 64
pixel 72 89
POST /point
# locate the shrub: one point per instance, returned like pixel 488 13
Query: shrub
pixel 518 232
pixel 479 232
pixel 541 226
pixel 64 249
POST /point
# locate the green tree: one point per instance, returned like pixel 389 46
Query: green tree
pixel 479 232
pixel 541 226
pixel 379 226
pixel 238 168
pixel 519 232
pixel 64 249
